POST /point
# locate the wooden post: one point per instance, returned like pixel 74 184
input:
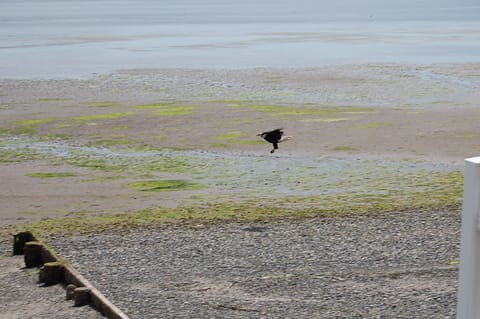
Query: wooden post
pixel 32 254
pixel 51 273
pixel 19 241
pixel 81 296
pixel 70 291
pixel 468 303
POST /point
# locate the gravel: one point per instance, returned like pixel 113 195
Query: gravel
pixel 397 265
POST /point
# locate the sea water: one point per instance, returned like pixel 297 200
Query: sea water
pixel 78 38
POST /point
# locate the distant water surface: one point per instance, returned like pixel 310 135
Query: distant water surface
pixel 77 38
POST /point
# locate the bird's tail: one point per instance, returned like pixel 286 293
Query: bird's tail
pixel 284 138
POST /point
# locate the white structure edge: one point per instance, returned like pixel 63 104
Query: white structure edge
pixel 468 302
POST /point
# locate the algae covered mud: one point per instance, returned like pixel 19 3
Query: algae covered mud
pixel 178 145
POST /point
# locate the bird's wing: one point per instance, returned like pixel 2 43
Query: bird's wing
pixel 273 131
pixel 272 135
pixel 277 133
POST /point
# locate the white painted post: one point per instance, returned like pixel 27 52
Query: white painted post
pixel 468 302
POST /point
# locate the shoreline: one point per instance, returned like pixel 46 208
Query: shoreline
pixel 341 67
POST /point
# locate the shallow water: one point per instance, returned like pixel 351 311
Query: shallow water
pixel 77 38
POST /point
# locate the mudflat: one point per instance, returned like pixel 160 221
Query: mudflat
pixel 62 139
pixel 67 145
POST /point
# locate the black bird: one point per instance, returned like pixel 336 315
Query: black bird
pixel 274 137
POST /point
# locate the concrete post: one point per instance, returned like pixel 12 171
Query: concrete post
pixel 468 303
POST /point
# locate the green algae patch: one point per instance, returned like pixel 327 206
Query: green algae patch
pixel 17 156
pixel 344 148
pixel 175 111
pixel 202 214
pixel 154 106
pixel 166 109
pixel 121 158
pixel 103 104
pixel 219 145
pixel 51 174
pixel 467 136
pixel 151 217
pixel 28 127
pixel 281 110
pixel 165 185
pixel 418 192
